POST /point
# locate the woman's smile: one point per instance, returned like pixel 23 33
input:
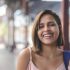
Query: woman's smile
pixel 47 35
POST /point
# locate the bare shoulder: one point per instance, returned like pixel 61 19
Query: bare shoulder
pixel 23 59
pixel 25 53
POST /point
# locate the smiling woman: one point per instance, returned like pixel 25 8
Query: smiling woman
pixel 47 38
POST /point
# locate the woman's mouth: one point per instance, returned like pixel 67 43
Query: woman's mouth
pixel 47 35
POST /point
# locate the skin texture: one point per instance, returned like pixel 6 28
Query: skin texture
pixel 50 57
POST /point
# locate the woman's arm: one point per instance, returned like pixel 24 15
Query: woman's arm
pixel 23 60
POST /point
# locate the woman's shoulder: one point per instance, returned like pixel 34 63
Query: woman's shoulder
pixel 23 59
pixel 25 53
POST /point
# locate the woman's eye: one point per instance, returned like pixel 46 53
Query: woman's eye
pixel 51 24
pixel 41 26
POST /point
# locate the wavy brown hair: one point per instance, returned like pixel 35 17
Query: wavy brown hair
pixel 35 39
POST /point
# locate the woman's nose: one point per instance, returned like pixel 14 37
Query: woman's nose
pixel 46 28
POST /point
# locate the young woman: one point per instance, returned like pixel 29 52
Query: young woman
pixel 47 38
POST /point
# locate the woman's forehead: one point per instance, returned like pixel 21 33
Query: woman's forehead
pixel 47 16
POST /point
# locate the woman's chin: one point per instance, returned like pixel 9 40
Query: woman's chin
pixel 48 43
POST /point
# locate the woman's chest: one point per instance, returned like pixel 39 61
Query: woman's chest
pixel 46 64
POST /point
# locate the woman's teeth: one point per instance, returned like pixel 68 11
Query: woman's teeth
pixel 46 35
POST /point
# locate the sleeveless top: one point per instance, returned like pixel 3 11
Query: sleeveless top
pixel 31 66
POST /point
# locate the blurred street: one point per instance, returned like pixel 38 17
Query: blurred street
pixel 7 59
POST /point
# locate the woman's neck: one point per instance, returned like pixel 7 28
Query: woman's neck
pixel 49 51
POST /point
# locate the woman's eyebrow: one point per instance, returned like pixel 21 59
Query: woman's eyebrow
pixel 51 22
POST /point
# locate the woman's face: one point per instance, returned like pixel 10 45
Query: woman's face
pixel 48 30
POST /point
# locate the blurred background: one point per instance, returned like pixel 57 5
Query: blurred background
pixel 16 17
